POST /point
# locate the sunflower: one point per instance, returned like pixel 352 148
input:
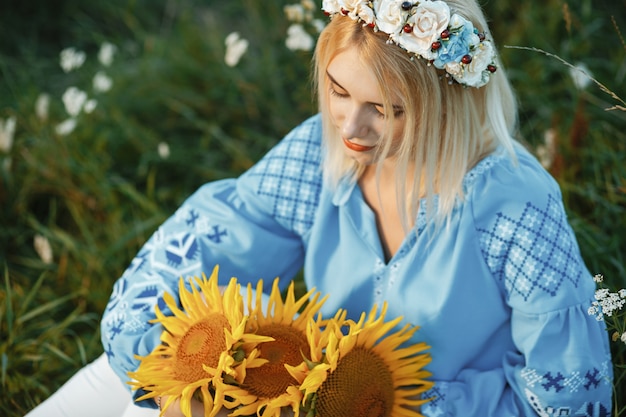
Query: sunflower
pixel 365 372
pixel 270 386
pixel 201 353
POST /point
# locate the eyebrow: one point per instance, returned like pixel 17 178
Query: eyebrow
pixel 332 80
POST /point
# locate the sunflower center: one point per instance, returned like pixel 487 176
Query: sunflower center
pixel 272 379
pixel 361 385
pixel 202 344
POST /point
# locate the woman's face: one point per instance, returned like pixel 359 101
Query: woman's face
pixel 355 105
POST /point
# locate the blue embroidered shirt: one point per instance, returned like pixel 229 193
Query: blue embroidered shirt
pixel 500 293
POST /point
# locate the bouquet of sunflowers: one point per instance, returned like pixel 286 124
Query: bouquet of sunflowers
pixel 283 356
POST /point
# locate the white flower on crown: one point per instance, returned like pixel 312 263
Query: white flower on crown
pixel 456 21
pixel 358 9
pixel 475 74
pixel 430 19
pixel 455 69
pixel 362 9
pixel 390 17
pixel 331 6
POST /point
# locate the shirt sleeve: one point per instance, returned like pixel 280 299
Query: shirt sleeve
pixel 251 227
pixel 562 363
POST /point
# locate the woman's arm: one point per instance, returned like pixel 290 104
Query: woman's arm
pixel 251 227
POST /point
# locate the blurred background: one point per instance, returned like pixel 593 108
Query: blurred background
pixel 111 113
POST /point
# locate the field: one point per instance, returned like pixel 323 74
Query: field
pixel 161 112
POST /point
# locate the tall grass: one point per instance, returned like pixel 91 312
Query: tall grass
pixel 97 193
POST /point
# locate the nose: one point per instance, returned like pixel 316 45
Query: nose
pixel 354 124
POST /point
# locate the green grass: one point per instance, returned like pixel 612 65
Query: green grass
pixel 98 193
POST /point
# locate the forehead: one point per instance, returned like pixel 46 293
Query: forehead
pixel 349 71
pixel 352 73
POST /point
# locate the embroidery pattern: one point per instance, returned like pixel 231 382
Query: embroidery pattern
pixel 587 409
pixel 433 408
pixel 534 251
pixel 482 167
pixel 290 175
pixel 588 379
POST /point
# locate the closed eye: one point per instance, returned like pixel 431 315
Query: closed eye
pixel 334 92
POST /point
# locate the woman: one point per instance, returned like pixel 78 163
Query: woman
pixel 409 188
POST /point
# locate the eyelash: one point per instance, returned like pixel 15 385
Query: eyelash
pixel 396 113
pixel 334 92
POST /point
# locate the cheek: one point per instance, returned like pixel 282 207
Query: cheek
pixel 398 134
pixel 335 109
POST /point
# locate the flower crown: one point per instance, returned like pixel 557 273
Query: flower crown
pixel 426 29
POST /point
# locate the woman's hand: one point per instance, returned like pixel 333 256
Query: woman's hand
pixel 197 409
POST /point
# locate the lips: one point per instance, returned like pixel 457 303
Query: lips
pixel 356 147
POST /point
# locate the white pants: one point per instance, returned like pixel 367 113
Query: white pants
pixel 94 391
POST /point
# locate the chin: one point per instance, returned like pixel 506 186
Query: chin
pixel 361 158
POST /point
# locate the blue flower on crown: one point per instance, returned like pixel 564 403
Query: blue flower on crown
pixel 457 46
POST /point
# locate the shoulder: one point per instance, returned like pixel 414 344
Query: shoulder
pixel 523 231
pixel 503 181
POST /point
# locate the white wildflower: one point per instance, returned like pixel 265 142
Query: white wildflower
pixel 42 104
pixel 295 12
pixel 106 53
pixel 74 100
pixel 164 150
pixel 596 310
pixel 43 248
pixel 298 38
pixel 318 24
pixel 581 76
pixel 102 82
pixel 601 294
pixel 7 131
pixel 623 337
pixel 611 303
pixel 72 59
pixel 547 151
pixel 598 278
pixel 236 46
pixel 90 105
pixel 622 292
pixel 308 4
pixel 66 127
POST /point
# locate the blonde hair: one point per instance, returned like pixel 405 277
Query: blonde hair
pixel 448 128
